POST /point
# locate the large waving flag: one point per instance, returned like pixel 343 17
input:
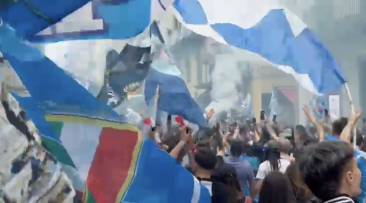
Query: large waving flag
pixel 50 87
pixel 174 96
pixel 119 166
pixel 51 90
pixel 265 28
pixel 112 158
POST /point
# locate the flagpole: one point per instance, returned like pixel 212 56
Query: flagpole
pixel 353 110
pixel 156 106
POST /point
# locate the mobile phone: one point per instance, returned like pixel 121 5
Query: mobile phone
pixel 274 118
pixel 326 112
pixel 263 117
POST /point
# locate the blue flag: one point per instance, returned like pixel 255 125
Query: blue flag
pixel 51 89
pixel 62 109
pixel 174 96
pixel 117 19
pixel 268 29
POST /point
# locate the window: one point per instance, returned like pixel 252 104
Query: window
pixel 343 9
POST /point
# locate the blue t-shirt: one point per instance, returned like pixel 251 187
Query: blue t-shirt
pixel 244 172
pixel 361 162
pixel 254 162
pixel 331 138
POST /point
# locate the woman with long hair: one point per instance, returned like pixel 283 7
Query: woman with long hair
pixel 273 162
pixel 226 175
pixel 276 188
pixel 301 192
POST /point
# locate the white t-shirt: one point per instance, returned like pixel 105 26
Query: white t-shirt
pixel 265 168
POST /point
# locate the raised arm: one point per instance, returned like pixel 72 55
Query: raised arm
pixel 271 131
pixel 185 138
pixel 352 122
pixel 319 126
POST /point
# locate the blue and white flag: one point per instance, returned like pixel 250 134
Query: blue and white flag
pixel 174 96
pixel 86 135
pixel 51 89
pixel 100 19
pixel 61 20
pixel 267 29
pixel 28 17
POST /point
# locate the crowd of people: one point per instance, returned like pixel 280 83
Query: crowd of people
pixel 268 163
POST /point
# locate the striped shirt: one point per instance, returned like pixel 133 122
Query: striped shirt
pixel 341 199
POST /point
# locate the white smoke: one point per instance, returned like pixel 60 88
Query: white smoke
pixel 225 77
pixel 85 60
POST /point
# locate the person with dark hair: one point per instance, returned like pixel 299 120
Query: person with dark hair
pixel 249 155
pixel 301 139
pixel 338 126
pixel 227 176
pixel 204 165
pixel 276 188
pixel 243 168
pixel 273 162
pixel 302 193
pixel 337 129
pixel 330 171
pixel 301 136
pixel 285 147
pixel 318 126
pixel 265 136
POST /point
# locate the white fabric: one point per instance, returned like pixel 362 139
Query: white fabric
pixel 166 68
pixel 296 24
pixel 19 184
pixel 196 191
pixel 252 12
pixel 340 200
pixel 265 168
pixel 303 79
pixel 81 142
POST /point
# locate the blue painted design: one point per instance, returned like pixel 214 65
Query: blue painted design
pixel 25 16
pixel 125 19
pixel 121 20
pixel 191 11
pixel 50 88
pixel 176 185
pixel 174 96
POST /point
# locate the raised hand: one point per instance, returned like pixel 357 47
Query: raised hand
pixel 309 115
